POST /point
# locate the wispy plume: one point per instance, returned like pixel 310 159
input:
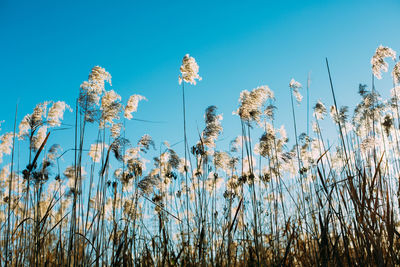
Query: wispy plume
pixel 38 139
pixel 132 105
pixel 378 60
pixel 295 86
pixel 213 126
pixel 56 113
pixel 110 107
pixel 96 150
pixel 251 104
pixel 91 91
pixel 319 110
pixel 396 72
pixel 5 145
pixel 189 70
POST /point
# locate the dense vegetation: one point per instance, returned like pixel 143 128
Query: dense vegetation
pixel 262 201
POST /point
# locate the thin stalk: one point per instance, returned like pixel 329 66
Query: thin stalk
pixel 9 188
pixel 185 167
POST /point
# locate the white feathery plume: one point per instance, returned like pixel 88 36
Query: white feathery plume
pixel 378 60
pixel 189 70
pixel 132 105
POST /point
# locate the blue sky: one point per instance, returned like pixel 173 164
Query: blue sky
pixel 48 48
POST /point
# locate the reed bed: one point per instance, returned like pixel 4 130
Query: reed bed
pixel 261 201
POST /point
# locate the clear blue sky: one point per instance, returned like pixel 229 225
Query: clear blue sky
pixel 48 48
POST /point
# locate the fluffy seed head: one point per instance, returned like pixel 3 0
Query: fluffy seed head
pixel 319 110
pixel 189 70
pixel 396 72
pixel 378 60
pixel 95 151
pixel 213 126
pixel 24 127
pixel 132 105
pixel 39 137
pixel 251 103
pixel 295 86
pixel 110 106
pixel 5 145
pixel 56 113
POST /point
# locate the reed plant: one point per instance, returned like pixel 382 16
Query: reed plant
pixel 261 201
